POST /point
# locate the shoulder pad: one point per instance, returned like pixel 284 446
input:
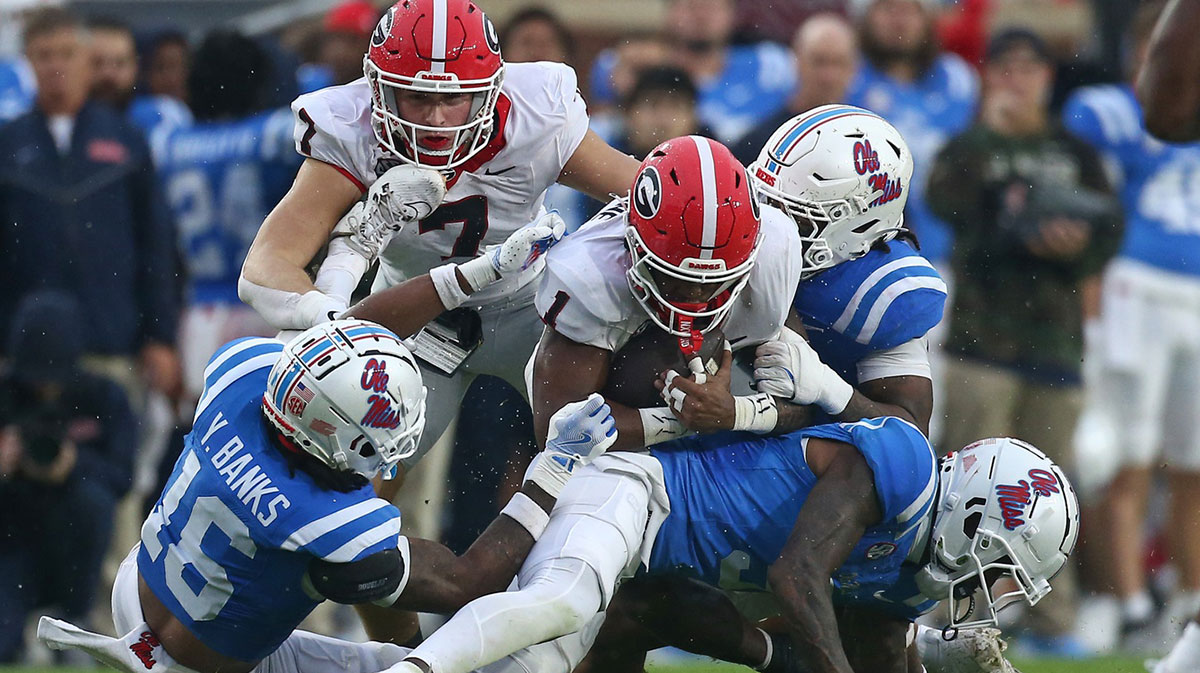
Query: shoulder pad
pixel 881 300
pixel 333 125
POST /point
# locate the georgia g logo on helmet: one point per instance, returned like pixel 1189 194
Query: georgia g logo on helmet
pixel 647 193
pixel 490 36
pixel 383 28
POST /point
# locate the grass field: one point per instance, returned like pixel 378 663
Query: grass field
pixel 1108 665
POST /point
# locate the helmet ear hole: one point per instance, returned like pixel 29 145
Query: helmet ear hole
pixel 971 525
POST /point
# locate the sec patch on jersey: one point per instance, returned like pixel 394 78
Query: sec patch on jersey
pixel 633 369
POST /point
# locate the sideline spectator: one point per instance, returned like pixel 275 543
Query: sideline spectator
pixel 1147 391
pixel 221 177
pixel 115 70
pixel 166 60
pixel 345 33
pixel 536 34
pixel 738 85
pixel 927 95
pixel 1033 224
pixel 779 20
pixel 82 213
pixel 67 440
pixel 826 51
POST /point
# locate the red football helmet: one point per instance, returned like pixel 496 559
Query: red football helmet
pixel 440 47
pixel 693 235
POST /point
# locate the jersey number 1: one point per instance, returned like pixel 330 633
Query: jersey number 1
pixel 186 557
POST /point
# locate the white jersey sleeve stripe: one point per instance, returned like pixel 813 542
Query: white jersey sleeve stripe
pixel 315 529
pixel 228 353
pixel 867 285
pixel 439 36
pixel 265 361
pixel 708 180
pixel 885 299
pixel 365 540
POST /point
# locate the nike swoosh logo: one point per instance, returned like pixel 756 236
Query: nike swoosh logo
pixel 488 171
pixel 585 439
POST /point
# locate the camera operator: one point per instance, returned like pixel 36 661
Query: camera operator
pixel 66 456
pixel 1035 223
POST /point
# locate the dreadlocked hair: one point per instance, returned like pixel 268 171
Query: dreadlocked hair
pixel 342 481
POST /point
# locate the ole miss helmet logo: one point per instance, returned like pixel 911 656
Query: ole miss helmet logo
pixel 647 193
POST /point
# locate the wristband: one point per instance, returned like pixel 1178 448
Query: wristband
pixel 549 474
pixel 479 272
pixel 756 413
pixel 835 393
pixel 770 651
pixel 449 290
pixel 316 307
pixel 660 425
pixel 522 509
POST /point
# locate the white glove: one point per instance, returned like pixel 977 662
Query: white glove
pixel 516 253
pixel 579 432
pixel 793 370
pixel 401 195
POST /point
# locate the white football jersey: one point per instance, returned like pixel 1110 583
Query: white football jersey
pixel 540 121
pixel 585 297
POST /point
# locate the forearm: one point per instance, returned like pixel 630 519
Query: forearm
pixel 404 308
pixel 1167 84
pixel 808 608
pixel 861 407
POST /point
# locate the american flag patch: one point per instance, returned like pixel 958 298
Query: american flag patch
pixel 304 393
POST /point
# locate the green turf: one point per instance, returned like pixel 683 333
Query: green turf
pixel 1106 665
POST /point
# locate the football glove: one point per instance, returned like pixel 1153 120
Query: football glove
pixel 793 370
pixel 402 195
pixel 579 433
pixel 516 253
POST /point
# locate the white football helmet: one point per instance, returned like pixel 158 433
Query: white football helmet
pixel 349 393
pixel 843 174
pixel 1003 508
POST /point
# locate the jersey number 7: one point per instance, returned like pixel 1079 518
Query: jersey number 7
pixel 471 213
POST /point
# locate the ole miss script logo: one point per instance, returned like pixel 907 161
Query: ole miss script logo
pixel 381 413
pixel 866 160
pixel 143 649
pixel 1013 499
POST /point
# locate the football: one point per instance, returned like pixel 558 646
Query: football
pixel 635 367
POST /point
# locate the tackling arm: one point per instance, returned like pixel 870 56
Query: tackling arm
pixel 1167 84
pixel 274 278
pixel 838 510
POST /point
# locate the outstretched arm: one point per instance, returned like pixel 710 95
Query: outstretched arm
pixel 838 510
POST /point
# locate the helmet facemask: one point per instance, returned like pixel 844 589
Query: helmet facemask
pixel 401 136
pixel 684 319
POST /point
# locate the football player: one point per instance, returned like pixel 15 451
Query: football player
pixel 855 528
pixel 686 252
pixel 269 510
pixel 866 297
pixel 467 145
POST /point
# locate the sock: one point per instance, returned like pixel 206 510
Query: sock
pixel 1137 608
pixel 1185 656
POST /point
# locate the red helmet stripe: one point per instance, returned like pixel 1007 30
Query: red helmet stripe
pixel 708 182
pixel 439 36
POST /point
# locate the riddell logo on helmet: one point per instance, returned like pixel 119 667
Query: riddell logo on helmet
pixel 1013 499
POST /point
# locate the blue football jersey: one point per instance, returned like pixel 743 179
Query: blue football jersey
pixel 227 547
pixel 158 114
pixel 735 498
pixel 17 88
pixel 879 301
pixel 939 105
pixel 1159 182
pixel 756 83
pixel 221 179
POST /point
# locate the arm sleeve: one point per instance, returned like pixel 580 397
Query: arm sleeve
pixel 158 287
pixel 908 359
pixel 379 578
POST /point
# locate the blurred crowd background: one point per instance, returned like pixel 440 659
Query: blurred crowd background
pixel 142 144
